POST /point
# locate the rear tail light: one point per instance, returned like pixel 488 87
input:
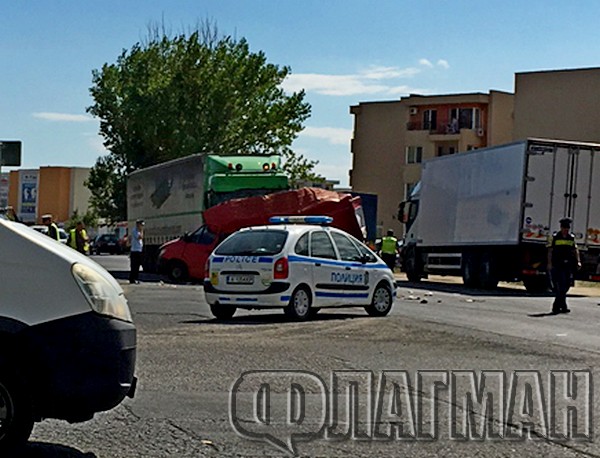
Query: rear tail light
pixel 281 269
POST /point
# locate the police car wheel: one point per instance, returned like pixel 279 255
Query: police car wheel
pixel 299 307
pixel 16 416
pixel 382 301
pixel 222 312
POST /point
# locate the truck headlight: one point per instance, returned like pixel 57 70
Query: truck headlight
pixel 102 296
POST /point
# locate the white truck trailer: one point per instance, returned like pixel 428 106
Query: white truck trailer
pixel 486 214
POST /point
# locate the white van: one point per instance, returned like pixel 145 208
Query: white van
pixel 67 341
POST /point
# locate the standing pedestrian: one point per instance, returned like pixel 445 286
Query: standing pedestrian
pixel 78 239
pixel 563 262
pixel 389 249
pixel 52 227
pixel 137 246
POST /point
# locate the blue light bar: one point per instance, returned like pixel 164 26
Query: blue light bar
pixel 297 219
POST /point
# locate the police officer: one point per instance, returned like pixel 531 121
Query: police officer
pixel 563 261
pixel 52 227
pixel 78 238
pixel 389 249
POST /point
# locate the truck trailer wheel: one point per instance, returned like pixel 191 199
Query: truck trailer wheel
pixel 488 275
pixel 470 270
pixel 16 413
pixel 536 285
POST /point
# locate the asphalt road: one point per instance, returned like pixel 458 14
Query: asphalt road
pixel 188 362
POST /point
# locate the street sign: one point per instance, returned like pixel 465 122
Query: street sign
pixel 10 153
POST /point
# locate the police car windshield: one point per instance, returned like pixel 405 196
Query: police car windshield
pixel 246 243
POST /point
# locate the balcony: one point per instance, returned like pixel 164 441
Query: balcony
pixel 442 129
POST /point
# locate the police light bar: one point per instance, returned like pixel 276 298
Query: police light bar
pixel 320 220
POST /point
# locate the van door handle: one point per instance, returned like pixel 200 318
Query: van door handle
pixel 348 268
pixel 318 264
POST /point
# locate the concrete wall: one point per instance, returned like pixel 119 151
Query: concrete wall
pixel 561 104
pixel 378 157
pixel 54 191
pixel 80 194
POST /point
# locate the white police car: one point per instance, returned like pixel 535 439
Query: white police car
pixel 297 263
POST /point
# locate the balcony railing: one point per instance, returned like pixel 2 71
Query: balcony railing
pixel 439 128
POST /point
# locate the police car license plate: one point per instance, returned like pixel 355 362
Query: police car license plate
pixel 240 279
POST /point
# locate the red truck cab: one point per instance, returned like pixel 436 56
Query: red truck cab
pixel 185 258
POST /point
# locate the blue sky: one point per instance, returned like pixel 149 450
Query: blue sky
pixel 341 51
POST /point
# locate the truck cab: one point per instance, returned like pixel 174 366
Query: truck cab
pixel 67 340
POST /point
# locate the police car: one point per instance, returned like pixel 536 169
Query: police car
pixel 297 263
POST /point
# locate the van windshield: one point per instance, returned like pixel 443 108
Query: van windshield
pixel 246 243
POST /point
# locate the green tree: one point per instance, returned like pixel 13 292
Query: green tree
pixel 175 95
pixel 300 169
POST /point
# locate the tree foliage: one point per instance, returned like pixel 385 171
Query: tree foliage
pixel 175 95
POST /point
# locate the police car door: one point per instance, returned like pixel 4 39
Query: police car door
pixel 327 270
pixel 355 277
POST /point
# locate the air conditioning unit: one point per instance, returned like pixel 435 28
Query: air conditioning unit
pixel 413 111
pixel 480 132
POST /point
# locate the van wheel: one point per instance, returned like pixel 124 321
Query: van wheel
pixel 298 308
pixel 177 272
pixel 222 312
pixel 382 301
pixel 16 412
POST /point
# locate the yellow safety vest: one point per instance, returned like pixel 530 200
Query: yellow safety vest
pixel 388 245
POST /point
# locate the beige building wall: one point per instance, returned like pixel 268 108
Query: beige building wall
pixel 80 194
pixel 383 131
pixel 560 104
pixel 501 118
pixel 378 159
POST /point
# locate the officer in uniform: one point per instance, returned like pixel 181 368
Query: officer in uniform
pixel 52 227
pixel 389 249
pixel 563 262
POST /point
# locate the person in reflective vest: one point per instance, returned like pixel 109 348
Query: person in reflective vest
pixel 78 239
pixel 52 227
pixel 389 249
pixel 563 262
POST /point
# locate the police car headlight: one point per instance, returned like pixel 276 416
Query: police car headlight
pixel 102 296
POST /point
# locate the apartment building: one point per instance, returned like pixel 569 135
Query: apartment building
pixel 560 104
pixel 391 139
pixel 57 190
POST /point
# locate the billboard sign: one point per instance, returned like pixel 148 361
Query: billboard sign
pixel 4 189
pixel 28 189
pixel 10 153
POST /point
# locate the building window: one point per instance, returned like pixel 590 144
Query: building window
pixel 408 189
pixel 464 118
pixel 430 120
pixel 414 154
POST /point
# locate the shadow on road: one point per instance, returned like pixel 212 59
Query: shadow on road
pixel 462 289
pixel 46 450
pixel 143 277
pixel 273 318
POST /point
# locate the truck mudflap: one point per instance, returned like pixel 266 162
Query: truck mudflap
pixel 79 365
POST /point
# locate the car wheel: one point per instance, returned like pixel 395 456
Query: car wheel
pixel 222 312
pixel 382 301
pixel 16 416
pixel 177 272
pixel 299 308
